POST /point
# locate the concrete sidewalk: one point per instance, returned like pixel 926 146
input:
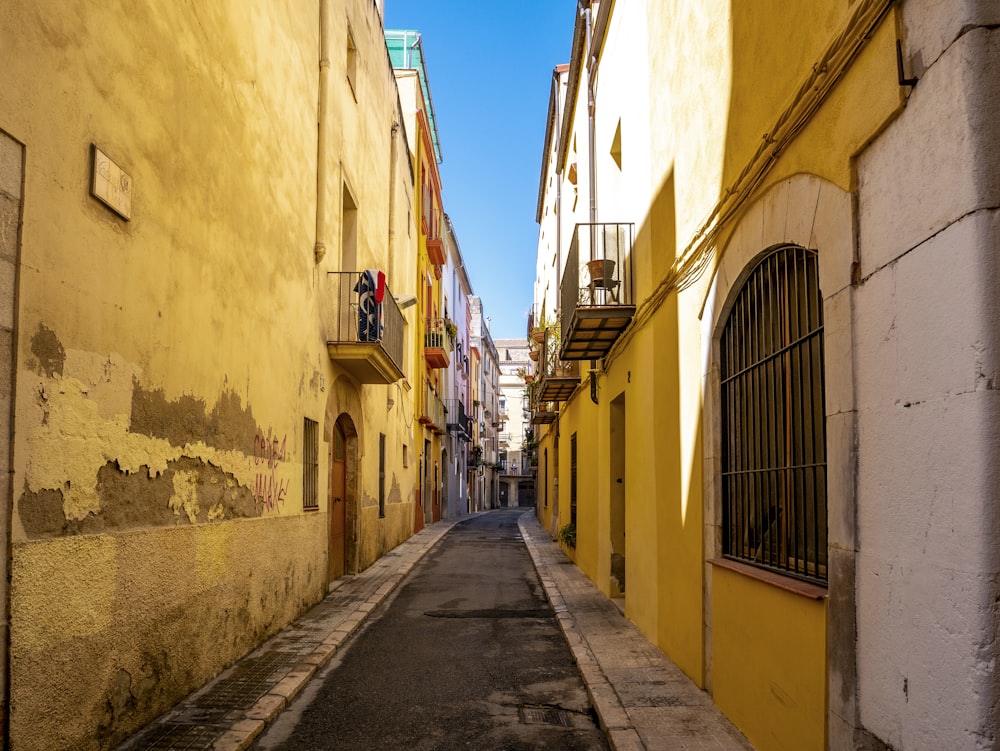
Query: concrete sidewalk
pixel 642 699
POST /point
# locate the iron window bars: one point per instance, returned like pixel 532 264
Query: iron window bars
pixel 774 502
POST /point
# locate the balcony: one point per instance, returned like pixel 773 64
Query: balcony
pixel 596 290
pixel 365 337
pixel 458 422
pixel 433 414
pixel 557 379
pixel 543 414
pixel 435 250
pixel 437 344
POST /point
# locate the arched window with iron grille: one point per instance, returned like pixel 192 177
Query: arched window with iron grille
pixel 774 505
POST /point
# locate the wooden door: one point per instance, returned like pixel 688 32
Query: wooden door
pixel 338 504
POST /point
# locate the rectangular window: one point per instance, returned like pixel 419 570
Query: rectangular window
pixel 310 464
pixel 352 63
pixel 572 479
pixel 381 475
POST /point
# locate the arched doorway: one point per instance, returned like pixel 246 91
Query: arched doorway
pixel 342 497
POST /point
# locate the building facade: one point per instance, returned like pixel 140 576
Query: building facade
pixel 433 344
pixel 488 422
pixel 210 385
pixel 516 442
pixel 458 401
pixel 782 433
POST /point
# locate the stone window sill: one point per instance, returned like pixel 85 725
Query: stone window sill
pixel 787 583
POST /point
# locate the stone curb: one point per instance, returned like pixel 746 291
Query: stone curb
pixel 614 720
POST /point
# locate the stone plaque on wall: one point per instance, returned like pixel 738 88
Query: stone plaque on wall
pixel 111 185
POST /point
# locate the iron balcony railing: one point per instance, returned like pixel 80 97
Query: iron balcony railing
pixel 437 343
pixel 434 410
pixel 596 291
pixel 458 420
pixel 557 378
pixel 360 318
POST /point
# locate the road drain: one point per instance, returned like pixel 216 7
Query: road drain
pixel 545 716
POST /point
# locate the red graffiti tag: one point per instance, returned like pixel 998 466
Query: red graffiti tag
pixel 269 490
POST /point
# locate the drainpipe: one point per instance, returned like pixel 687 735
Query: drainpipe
pixel 556 89
pixel 591 158
pixel 319 250
pixel 393 155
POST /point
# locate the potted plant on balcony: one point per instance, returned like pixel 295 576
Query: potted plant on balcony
pixel 602 271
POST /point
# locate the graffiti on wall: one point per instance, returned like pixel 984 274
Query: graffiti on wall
pixel 268 453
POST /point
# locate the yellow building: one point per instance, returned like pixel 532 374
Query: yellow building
pixel 209 391
pixel 433 341
pixel 765 233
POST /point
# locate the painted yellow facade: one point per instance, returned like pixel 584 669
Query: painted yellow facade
pixel 167 362
pixel 683 92
pixel 431 344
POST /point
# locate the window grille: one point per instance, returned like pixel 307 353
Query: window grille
pixel 310 464
pixel 774 503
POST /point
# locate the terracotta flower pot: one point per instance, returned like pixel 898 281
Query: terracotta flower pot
pixel 601 271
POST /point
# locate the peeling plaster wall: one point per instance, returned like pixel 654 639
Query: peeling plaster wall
pixel 165 364
pixel 108 631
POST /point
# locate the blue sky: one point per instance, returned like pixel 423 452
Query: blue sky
pixel 489 67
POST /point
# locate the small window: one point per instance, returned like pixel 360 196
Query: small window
pixel 572 479
pixel 310 464
pixel 616 145
pixel 352 63
pixel 381 475
pixel 406 456
pixel 545 480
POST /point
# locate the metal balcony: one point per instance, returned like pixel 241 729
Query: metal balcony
pixel 437 344
pixel 433 412
pixel 596 290
pixel 557 378
pixel 365 337
pixel 543 415
pixel 435 250
pixel 458 422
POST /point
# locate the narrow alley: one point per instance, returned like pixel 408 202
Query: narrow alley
pixel 576 374
pixel 495 643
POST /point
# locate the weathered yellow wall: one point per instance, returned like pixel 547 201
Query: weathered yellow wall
pixel 106 631
pixel 769 662
pixel 165 364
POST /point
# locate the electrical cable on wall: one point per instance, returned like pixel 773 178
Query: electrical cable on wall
pixel 701 250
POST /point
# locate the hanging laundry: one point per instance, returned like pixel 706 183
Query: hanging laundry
pixel 371 291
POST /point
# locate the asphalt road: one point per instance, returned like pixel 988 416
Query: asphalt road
pixel 465 655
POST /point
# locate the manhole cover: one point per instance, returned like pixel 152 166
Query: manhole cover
pixel 545 716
